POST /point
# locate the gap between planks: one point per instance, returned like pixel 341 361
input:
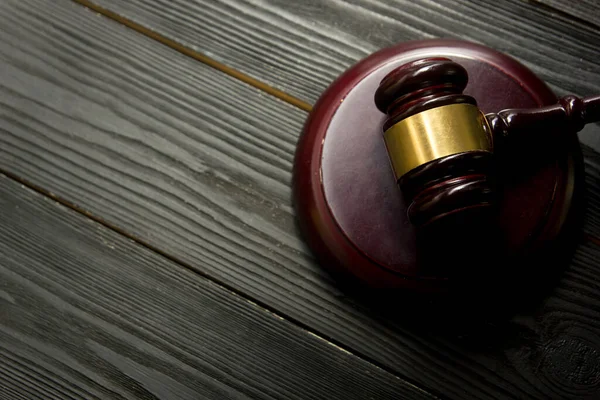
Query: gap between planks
pixel 260 86
pixel 288 98
pixel 266 308
pixel 243 77
pixel 236 75
pixel 296 102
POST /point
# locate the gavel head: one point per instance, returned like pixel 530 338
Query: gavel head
pixel 439 143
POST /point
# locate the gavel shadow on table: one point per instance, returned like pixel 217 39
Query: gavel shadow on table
pixel 412 186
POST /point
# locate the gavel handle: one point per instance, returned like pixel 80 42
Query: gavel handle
pixel 571 113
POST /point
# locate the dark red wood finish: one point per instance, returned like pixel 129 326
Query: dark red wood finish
pixel 421 85
pixel 438 191
pixel 570 114
pixel 350 209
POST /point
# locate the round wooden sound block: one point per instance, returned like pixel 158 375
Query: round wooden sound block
pixel 351 210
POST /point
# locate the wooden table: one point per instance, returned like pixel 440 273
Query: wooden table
pixel 148 247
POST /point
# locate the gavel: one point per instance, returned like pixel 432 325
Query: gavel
pixel 442 148
pixel 484 200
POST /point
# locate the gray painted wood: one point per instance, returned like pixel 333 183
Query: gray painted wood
pixel 198 165
pixel 301 46
pixel 585 10
pixel 86 313
pixel 592 178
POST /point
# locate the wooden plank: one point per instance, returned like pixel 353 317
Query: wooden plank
pixel 592 168
pixel 585 10
pixel 562 333
pixel 86 313
pixel 302 46
pixel 198 165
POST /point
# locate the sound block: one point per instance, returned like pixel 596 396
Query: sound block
pixel 352 212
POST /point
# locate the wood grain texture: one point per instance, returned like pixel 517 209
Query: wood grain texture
pixel 86 313
pixel 199 165
pixel 592 168
pixel 558 349
pixel 302 46
pixel 585 10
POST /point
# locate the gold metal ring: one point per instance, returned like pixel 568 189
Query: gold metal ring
pixel 436 133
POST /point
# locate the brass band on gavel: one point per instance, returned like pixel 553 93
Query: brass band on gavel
pixel 436 133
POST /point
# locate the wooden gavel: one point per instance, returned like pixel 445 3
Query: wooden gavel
pixel 442 147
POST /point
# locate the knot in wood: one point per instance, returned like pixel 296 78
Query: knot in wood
pixel 572 365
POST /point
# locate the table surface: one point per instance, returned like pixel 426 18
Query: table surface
pixel 148 245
